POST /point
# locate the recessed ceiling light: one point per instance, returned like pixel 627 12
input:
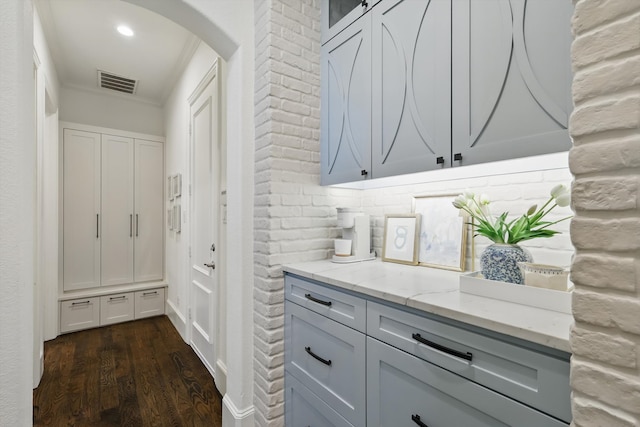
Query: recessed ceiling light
pixel 125 31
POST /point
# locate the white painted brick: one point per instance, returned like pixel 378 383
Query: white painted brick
pixel 613 114
pixel 606 347
pixel 587 412
pixel 589 14
pixel 608 155
pixel 606 42
pixel 605 310
pixel 609 386
pixel 608 234
pixel 614 193
pixel 598 270
pixel 609 78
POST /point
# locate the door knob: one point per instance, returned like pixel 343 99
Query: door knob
pixel 212 265
pixel 213 247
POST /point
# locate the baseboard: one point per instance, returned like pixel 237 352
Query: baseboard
pixel 221 377
pixel 233 417
pixel 177 318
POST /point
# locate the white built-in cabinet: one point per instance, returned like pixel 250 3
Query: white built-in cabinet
pixel 113 210
pixel 416 85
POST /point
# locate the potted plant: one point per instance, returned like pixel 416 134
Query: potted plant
pixel 499 260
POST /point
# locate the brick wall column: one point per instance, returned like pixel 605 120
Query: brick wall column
pixel 605 160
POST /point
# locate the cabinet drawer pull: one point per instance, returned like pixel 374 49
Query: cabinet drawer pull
pixel 318 358
pixel 440 160
pixel 316 300
pixel 465 356
pixel 97 226
pixel 137 226
pixel 416 419
pixel 81 303
pixel 130 225
pixel 117 298
pixel 144 294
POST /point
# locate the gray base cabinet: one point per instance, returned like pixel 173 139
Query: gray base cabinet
pixel 352 360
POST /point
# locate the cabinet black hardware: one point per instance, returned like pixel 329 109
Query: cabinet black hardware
pixel 210 265
pixel 364 3
pixel 319 301
pixel 457 157
pixel 97 226
pixel 137 227
pixel 416 419
pixel 465 356
pixel 440 160
pixel 150 293
pixel 315 356
pixel 117 298
pixel 81 303
pixel 130 225
pixel 364 172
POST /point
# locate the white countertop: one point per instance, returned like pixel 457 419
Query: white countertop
pixel 437 291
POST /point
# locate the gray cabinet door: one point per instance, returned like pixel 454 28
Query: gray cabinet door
pixel 336 15
pixel 404 391
pixel 346 104
pixel 411 82
pixel 511 78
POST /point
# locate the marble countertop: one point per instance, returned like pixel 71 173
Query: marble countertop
pixel 437 291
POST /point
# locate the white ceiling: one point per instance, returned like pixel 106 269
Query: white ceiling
pixel 82 37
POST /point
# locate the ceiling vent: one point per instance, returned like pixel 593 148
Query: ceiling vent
pixel 114 82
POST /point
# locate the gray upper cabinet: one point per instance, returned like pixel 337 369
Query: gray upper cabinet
pixel 511 78
pixel 411 75
pixel 450 83
pixel 336 15
pixel 346 97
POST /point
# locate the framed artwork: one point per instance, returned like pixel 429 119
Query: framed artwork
pixel 442 238
pixel 177 185
pixel 170 187
pixel 176 218
pixel 400 243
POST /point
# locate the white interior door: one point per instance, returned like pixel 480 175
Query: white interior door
pixel 204 180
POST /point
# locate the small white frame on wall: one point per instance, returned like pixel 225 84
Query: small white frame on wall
pixel 400 243
pixel 177 185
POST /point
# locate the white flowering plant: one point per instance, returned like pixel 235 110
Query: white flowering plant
pixel 528 226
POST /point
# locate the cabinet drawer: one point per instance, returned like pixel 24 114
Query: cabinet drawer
pixel 149 303
pixel 531 377
pixel 303 408
pixel 339 306
pixel 116 308
pixel 401 387
pixel 79 314
pixel 328 358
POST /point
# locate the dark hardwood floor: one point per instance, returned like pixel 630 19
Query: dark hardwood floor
pixel 137 373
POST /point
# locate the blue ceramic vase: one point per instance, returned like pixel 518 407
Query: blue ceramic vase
pixel 499 262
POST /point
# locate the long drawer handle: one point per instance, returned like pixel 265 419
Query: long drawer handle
pixel 81 303
pixel 97 226
pixel 137 226
pixel 318 358
pixel 466 356
pixel 130 225
pixel 416 419
pixel 319 301
pixel 144 294
pixel 117 298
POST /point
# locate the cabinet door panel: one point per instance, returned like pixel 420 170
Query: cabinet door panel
pixel 411 74
pixel 116 308
pixel 346 109
pixel 336 15
pixel 303 408
pixel 117 210
pixel 401 387
pixel 511 78
pixel 149 211
pixel 81 209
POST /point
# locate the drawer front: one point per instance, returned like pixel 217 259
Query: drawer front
pixel 339 306
pixel 303 408
pixel 79 314
pixel 536 379
pixel 328 358
pixel 401 388
pixel 149 303
pixel 116 308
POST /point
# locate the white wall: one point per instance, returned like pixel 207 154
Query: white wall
pixel 17 208
pixel 110 111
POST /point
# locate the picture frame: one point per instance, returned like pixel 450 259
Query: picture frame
pixel 443 232
pixel 400 238
pixel 177 185
pixel 170 187
pixel 176 218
